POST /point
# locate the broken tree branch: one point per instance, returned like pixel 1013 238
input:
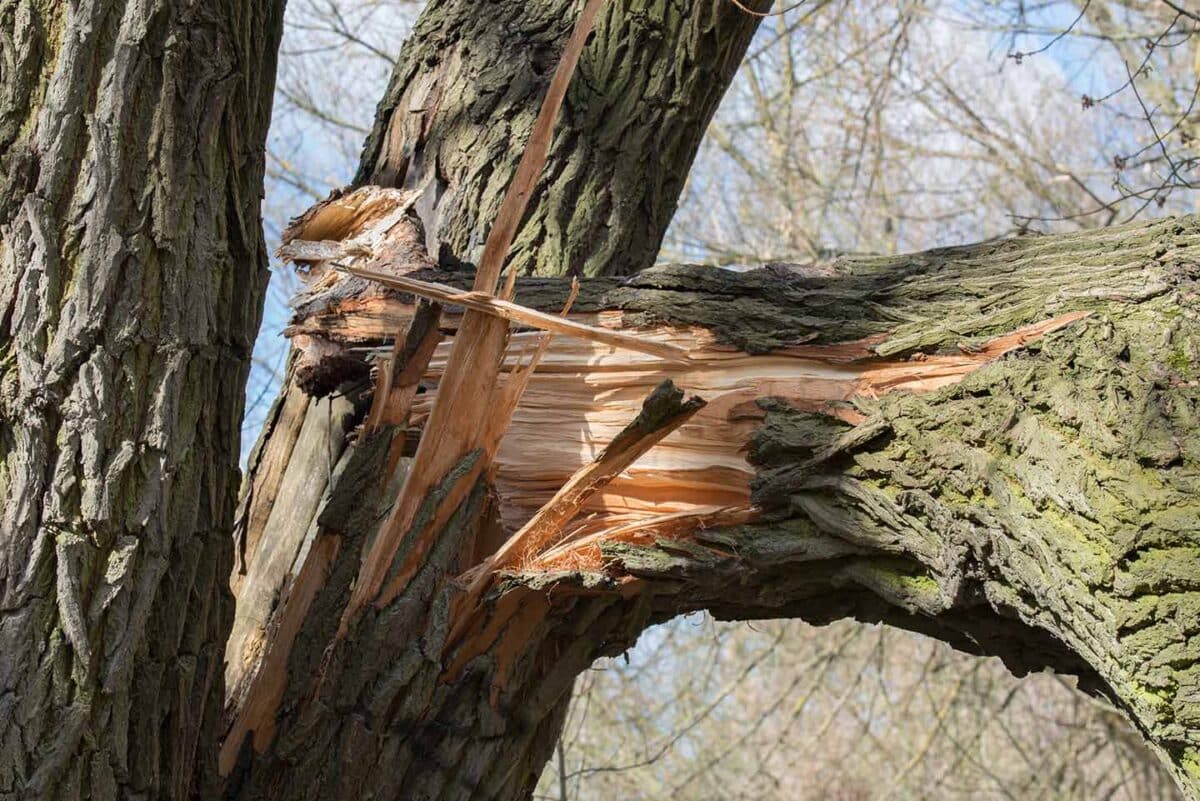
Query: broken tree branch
pixel 663 412
pixel 460 420
pixel 400 374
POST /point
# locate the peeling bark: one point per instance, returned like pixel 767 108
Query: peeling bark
pixel 132 271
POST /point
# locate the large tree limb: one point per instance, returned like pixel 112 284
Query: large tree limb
pixel 992 444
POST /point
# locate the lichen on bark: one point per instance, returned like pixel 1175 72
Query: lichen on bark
pixel 1056 489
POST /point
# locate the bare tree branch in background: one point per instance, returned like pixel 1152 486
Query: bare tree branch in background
pixel 854 134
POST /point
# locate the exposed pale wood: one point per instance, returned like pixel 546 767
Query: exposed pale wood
pixel 583 552
pixel 454 429
pixel 280 537
pixel 583 395
pixel 370 224
pixel 267 466
pixel 362 233
pixel 348 222
pixel 663 412
pixel 585 391
pixel 502 404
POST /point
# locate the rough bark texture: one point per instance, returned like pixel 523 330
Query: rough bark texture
pixel 468 87
pixel 1035 501
pixel 943 442
pixel 460 106
pixel 132 270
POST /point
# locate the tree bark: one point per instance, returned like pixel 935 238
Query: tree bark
pixel 994 445
pixel 914 441
pixel 132 272
pixel 456 118
pixel 469 84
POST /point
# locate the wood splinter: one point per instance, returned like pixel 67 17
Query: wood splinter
pixel 400 374
pixel 664 411
pixel 514 312
pixel 463 420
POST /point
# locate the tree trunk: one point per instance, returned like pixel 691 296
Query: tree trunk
pixel 456 119
pixel 995 445
pixel 469 84
pixel 132 272
pixel 457 115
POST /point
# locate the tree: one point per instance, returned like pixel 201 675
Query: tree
pixel 926 443
pixel 321 323
pixel 921 510
pixel 864 127
pixel 133 267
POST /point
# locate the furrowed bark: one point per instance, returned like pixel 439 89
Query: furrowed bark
pixel 994 445
pixel 463 99
pixel 132 271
